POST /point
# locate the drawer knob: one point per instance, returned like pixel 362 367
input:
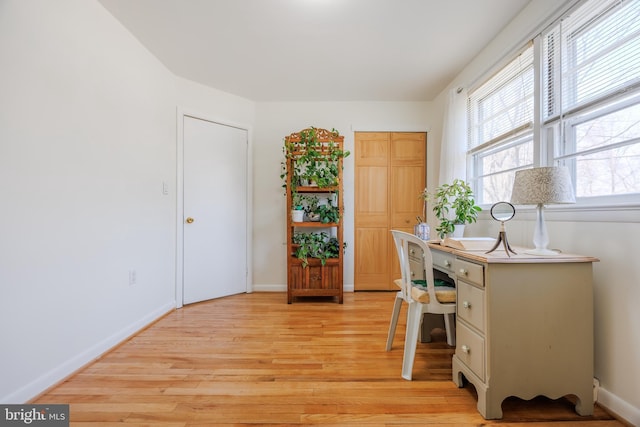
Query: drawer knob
pixel 463 272
pixel 447 263
pixel 466 349
pixel 466 304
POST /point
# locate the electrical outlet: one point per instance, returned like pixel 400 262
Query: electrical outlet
pixel 133 277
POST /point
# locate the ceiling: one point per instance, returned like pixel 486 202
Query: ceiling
pixel 317 50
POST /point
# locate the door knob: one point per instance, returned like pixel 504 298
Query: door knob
pixel 189 220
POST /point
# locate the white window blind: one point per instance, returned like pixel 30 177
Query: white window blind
pixel 500 139
pixel 591 54
pixel 591 96
pixel 503 105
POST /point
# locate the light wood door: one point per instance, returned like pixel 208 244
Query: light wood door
pixel 408 180
pixel 389 175
pixel 372 245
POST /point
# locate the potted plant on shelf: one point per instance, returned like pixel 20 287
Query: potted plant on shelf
pixel 297 208
pixel 316 245
pixel 324 212
pixel 316 163
pixel 332 247
pixel 310 245
pixel 312 207
pixel 328 213
pixel 454 206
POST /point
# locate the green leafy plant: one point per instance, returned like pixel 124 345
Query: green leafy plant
pixel 298 201
pixel 332 247
pixel 311 203
pixel 316 245
pixel 311 207
pixel 325 213
pixel 310 245
pixel 315 161
pixel 457 197
pixel 328 213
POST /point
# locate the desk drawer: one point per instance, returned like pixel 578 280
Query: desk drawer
pixel 416 262
pixel 470 304
pixel 442 261
pixel 470 349
pixel 415 252
pixel 469 272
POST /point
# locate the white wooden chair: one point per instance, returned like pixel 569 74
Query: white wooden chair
pixel 440 300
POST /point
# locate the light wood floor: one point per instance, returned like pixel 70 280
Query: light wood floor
pixel 252 359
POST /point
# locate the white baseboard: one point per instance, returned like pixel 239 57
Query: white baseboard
pixel 618 407
pixel 269 288
pixel 54 376
pixel 283 288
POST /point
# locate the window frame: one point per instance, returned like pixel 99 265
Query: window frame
pixel 557 128
pixel 477 155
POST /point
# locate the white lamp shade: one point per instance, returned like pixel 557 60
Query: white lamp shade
pixel 545 185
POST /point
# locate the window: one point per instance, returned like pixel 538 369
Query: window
pixel 500 115
pixel 591 102
pixel 589 118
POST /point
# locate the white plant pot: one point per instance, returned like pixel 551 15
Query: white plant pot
pixel 297 215
pixel 458 230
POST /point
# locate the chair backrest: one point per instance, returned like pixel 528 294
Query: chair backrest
pixel 402 240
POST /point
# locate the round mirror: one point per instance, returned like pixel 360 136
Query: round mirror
pixel 503 211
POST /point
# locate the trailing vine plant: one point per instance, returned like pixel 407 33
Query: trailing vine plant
pixel 316 245
pixel 317 162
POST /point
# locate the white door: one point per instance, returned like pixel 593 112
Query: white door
pixel 215 210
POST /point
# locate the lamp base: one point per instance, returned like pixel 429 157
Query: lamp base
pixel 542 252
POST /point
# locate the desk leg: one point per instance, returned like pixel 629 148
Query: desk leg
pixel 585 403
pixel 488 406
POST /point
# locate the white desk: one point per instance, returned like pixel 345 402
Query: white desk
pixel 524 325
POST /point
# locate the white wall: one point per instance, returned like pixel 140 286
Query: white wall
pixel 214 104
pixel 87 138
pixel 277 120
pixel 613 236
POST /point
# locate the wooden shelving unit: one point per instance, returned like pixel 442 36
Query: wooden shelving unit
pixel 312 278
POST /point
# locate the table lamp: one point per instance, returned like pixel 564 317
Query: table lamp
pixel 542 186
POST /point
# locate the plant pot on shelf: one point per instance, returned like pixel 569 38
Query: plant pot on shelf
pixel 297 215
